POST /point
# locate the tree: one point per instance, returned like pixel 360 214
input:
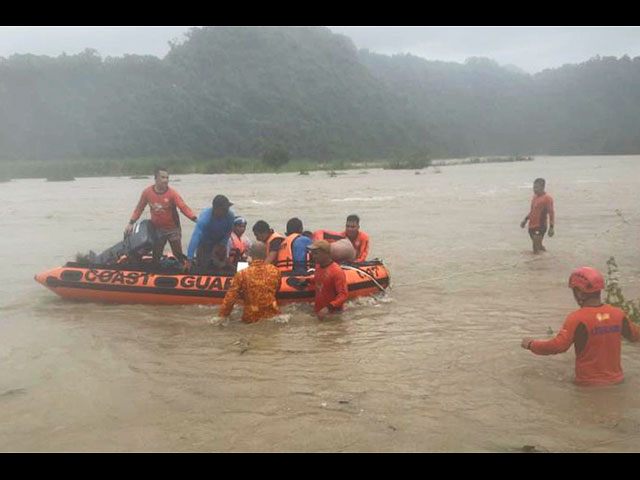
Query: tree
pixel 275 156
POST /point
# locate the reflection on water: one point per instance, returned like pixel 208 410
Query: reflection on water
pixel 433 366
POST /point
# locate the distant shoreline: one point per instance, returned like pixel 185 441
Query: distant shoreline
pixel 67 170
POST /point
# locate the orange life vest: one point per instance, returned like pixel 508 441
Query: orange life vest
pixel 238 248
pixel 273 236
pixel 284 260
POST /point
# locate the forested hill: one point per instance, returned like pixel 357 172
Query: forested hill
pixel 481 108
pixel 236 91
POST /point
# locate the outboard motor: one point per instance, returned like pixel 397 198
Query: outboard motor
pixel 141 239
pixel 135 245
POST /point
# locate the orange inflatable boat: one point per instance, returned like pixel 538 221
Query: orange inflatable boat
pixel 126 284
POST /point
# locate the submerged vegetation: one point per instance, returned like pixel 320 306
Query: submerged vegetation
pixel 474 160
pixel 141 168
pixel 410 162
pixel 615 296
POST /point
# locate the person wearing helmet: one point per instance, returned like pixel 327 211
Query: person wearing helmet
pixel 541 206
pixel 212 232
pixel 595 330
pixel 239 243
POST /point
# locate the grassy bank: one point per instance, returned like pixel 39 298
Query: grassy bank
pixel 64 170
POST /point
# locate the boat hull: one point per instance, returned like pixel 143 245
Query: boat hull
pixel 116 284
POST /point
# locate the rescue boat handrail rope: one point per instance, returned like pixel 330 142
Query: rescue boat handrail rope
pixel 432 279
pixel 509 266
pixel 349 267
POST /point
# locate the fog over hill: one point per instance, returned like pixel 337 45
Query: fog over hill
pixel 233 91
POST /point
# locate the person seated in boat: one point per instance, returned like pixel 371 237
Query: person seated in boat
pixel 595 331
pixel 265 234
pixel 220 262
pixel 239 243
pixel 342 251
pixel 256 286
pixel 292 253
pixel 329 281
pixel 213 228
pixel 358 238
pixel 163 203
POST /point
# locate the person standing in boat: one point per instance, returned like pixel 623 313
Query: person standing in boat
pixel 163 203
pixel 595 330
pixel 541 206
pixel 212 232
pixel 239 243
pixel 358 238
pixel 329 281
pixel 256 286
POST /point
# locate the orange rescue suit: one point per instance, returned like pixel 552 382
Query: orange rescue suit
pixel 596 333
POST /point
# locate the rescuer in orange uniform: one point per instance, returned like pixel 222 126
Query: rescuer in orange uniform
pixel 329 281
pixel 163 203
pixel 595 330
pixel 359 239
pixel 541 206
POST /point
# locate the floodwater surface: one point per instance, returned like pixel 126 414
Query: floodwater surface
pixel 434 366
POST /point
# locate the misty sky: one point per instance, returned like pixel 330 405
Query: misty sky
pixel 529 48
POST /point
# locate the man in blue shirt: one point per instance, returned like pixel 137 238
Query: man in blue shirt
pixel 213 228
pixel 299 244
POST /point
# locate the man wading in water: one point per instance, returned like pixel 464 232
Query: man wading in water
pixel 541 205
pixel 595 330
pixel 329 281
pixel 256 286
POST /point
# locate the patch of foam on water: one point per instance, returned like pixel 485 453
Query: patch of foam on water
pixel 206 307
pixel 266 202
pixel 363 199
pixel 282 318
pixel 372 300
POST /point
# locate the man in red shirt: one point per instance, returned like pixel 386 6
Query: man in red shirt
pixel 329 280
pixel 595 330
pixel 359 239
pixel 162 202
pixel 541 206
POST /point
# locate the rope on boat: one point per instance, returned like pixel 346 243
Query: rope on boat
pixel 349 267
pixel 622 223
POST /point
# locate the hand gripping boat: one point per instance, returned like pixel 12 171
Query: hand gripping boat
pixel 102 279
pixel 122 284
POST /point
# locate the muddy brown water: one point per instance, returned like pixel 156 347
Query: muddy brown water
pixel 434 366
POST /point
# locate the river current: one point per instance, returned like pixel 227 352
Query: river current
pixel 433 366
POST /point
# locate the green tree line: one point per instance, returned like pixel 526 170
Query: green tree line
pixel 239 92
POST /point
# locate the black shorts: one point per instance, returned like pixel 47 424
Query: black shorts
pixel 538 230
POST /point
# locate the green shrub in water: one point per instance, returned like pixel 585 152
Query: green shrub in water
pixel 615 296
